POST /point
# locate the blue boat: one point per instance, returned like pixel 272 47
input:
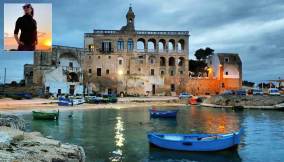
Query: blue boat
pixel 195 142
pixel 163 113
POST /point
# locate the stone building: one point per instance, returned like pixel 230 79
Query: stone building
pixel 57 72
pixel 136 62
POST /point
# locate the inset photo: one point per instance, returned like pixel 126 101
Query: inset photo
pixel 27 26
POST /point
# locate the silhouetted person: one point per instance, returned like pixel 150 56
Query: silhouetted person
pixel 28 27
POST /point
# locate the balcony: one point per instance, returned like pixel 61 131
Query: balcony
pixel 141 32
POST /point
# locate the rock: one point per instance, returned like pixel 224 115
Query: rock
pixel 12 121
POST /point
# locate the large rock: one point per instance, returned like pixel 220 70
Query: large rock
pixel 12 121
pixel 32 147
pixel 19 146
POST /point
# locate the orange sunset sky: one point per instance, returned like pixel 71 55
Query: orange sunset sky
pixel 43 17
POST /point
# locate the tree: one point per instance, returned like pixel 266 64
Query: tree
pixel 13 83
pixel 202 54
pixel 197 67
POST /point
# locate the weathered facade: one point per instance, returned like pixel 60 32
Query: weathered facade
pixel 57 72
pixel 136 62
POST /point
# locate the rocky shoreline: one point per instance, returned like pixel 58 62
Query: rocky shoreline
pixel 20 146
pixel 256 102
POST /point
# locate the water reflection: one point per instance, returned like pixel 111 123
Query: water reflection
pixel 161 155
pixel 117 155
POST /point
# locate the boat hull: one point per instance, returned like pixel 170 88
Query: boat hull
pixel 45 115
pixel 163 114
pixel 195 142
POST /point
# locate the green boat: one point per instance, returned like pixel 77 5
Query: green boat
pixel 40 115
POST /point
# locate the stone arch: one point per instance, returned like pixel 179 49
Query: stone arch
pixel 162 45
pixel 171 45
pixel 172 61
pixel 180 45
pixel 141 45
pixel 151 45
pixel 162 61
pixel 181 61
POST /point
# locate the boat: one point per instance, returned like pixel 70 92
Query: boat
pixel 163 113
pixel 195 142
pixel 40 115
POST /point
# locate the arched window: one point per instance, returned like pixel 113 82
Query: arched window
pixel 120 45
pixel 172 61
pixel 162 61
pixel 180 45
pixel 130 45
pixel 141 45
pixel 171 45
pixel 162 45
pixel 181 61
pixel 151 45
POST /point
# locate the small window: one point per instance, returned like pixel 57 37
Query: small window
pixel 226 59
pixel 128 72
pixel 223 85
pixel 152 72
pixel 107 71
pixel 99 71
pixel 99 57
pixel 120 62
pixel 162 72
pixel 109 57
pixel 90 57
pixel 173 88
pixel 152 61
pixel 139 69
pixel 71 64
pixel 226 73
pixel 90 70
pixel 172 73
pixel 181 72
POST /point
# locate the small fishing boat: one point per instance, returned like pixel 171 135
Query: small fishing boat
pixel 163 113
pixel 195 142
pixel 62 101
pixel 40 115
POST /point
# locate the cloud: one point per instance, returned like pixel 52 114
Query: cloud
pixel 253 28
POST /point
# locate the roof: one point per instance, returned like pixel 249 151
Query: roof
pixel 234 58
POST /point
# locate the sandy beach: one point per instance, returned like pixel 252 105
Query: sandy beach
pixel 10 105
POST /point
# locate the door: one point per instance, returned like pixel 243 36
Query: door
pixel 153 89
pixel 71 89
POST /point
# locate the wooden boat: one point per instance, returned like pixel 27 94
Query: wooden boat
pixel 163 113
pixel 40 115
pixel 195 142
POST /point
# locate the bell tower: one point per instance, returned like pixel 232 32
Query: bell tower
pixel 130 16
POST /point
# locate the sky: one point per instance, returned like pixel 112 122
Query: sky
pixel 43 17
pixel 253 28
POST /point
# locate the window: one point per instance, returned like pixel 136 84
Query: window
pixel 91 47
pixel 109 57
pixel 152 61
pixel 181 72
pixel 162 72
pixel 172 73
pixel 71 64
pixel 173 88
pixel 99 57
pixel 106 46
pixel 99 71
pixel 226 59
pixel 90 57
pixel 139 69
pixel 90 70
pixel 107 71
pixel 226 73
pixel 128 72
pixel 130 45
pixel 120 62
pixel 120 45
pixel 223 85
pixel 152 72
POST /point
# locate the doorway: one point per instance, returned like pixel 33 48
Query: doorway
pixel 71 89
pixel 153 89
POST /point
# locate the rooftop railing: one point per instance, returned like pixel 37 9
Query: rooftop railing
pixel 140 32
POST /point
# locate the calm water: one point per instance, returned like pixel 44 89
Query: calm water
pixel 120 134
